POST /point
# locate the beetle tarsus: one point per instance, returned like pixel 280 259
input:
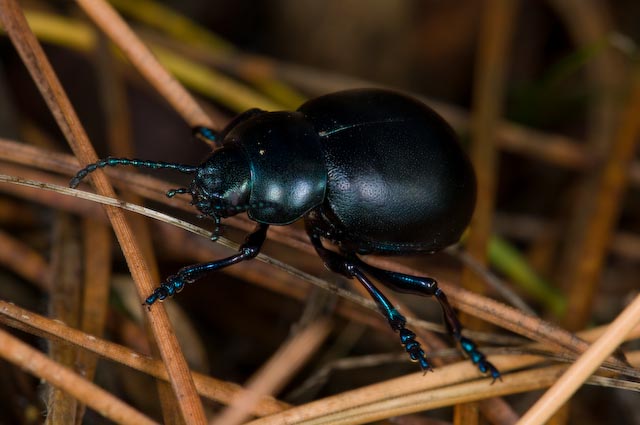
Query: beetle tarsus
pixel 471 350
pixel 411 346
pixel 468 347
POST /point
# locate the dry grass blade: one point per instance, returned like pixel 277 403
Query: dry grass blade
pixel 113 100
pixel 600 193
pixel 363 402
pixel 208 387
pixel 414 393
pixel 114 26
pixel 606 211
pixel 64 305
pixel 584 366
pixel 401 394
pixel 275 373
pixel 18 257
pixel 41 71
pixel 97 276
pixel 77 35
pixel 36 363
pixel 211 388
pixel 485 308
pixel 488 97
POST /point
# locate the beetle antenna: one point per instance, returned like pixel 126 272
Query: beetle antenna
pixel 141 163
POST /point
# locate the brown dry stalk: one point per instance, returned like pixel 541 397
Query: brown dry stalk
pixel 208 387
pixel 460 375
pixel 611 184
pixel 15 255
pixel 224 392
pixel 64 305
pixel 274 374
pixel 105 17
pixel 36 363
pixel 580 371
pixel 605 205
pixel 477 305
pixel 41 71
pixel 488 97
pixel 502 364
pixel 415 393
pixel 97 243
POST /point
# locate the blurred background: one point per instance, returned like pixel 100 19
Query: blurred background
pixel 544 96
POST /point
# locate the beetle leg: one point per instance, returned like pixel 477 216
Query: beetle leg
pixel 342 265
pixel 175 283
pixel 179 191
pixel 426 286
pixel 209 135
pixel 205 134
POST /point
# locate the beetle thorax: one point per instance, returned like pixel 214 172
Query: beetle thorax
pixel 222 185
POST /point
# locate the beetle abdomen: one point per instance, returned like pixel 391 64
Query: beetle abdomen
pixel 397 179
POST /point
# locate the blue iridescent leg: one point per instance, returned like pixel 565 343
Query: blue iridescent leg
pixel 206 134
pixel 175 283
pixel 342 265
pixel 140 163
pixel 210 136
pixel 426 286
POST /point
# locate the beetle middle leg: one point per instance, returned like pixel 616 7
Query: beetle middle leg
pixel 426 286
pixel 175 283
pixel 342 265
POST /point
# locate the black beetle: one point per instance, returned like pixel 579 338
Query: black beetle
pixel 370 170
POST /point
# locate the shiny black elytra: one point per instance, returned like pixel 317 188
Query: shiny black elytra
pixel 372 171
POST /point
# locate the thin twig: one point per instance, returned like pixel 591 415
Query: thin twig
pixel 485 308
pixel 116 28
pixel 208 387
pixel 276 372
pixel 41 71
pixel 580 371
pixel 36 363
pixel 611 184
pixel 414 393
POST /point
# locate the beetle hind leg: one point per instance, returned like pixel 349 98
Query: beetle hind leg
pixel 426 286
pixel 344 266
pixel 467 345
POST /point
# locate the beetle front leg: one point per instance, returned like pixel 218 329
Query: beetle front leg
pixel 342 265
pixel 175 283
pixel 426 286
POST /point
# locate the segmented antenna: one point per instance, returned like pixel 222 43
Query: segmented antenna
pixel 140 163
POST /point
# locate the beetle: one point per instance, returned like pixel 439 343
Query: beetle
pixel 370 170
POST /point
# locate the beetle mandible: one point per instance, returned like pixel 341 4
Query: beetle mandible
pixel 370 170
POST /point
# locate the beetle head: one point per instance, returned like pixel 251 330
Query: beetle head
pixel 222 184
